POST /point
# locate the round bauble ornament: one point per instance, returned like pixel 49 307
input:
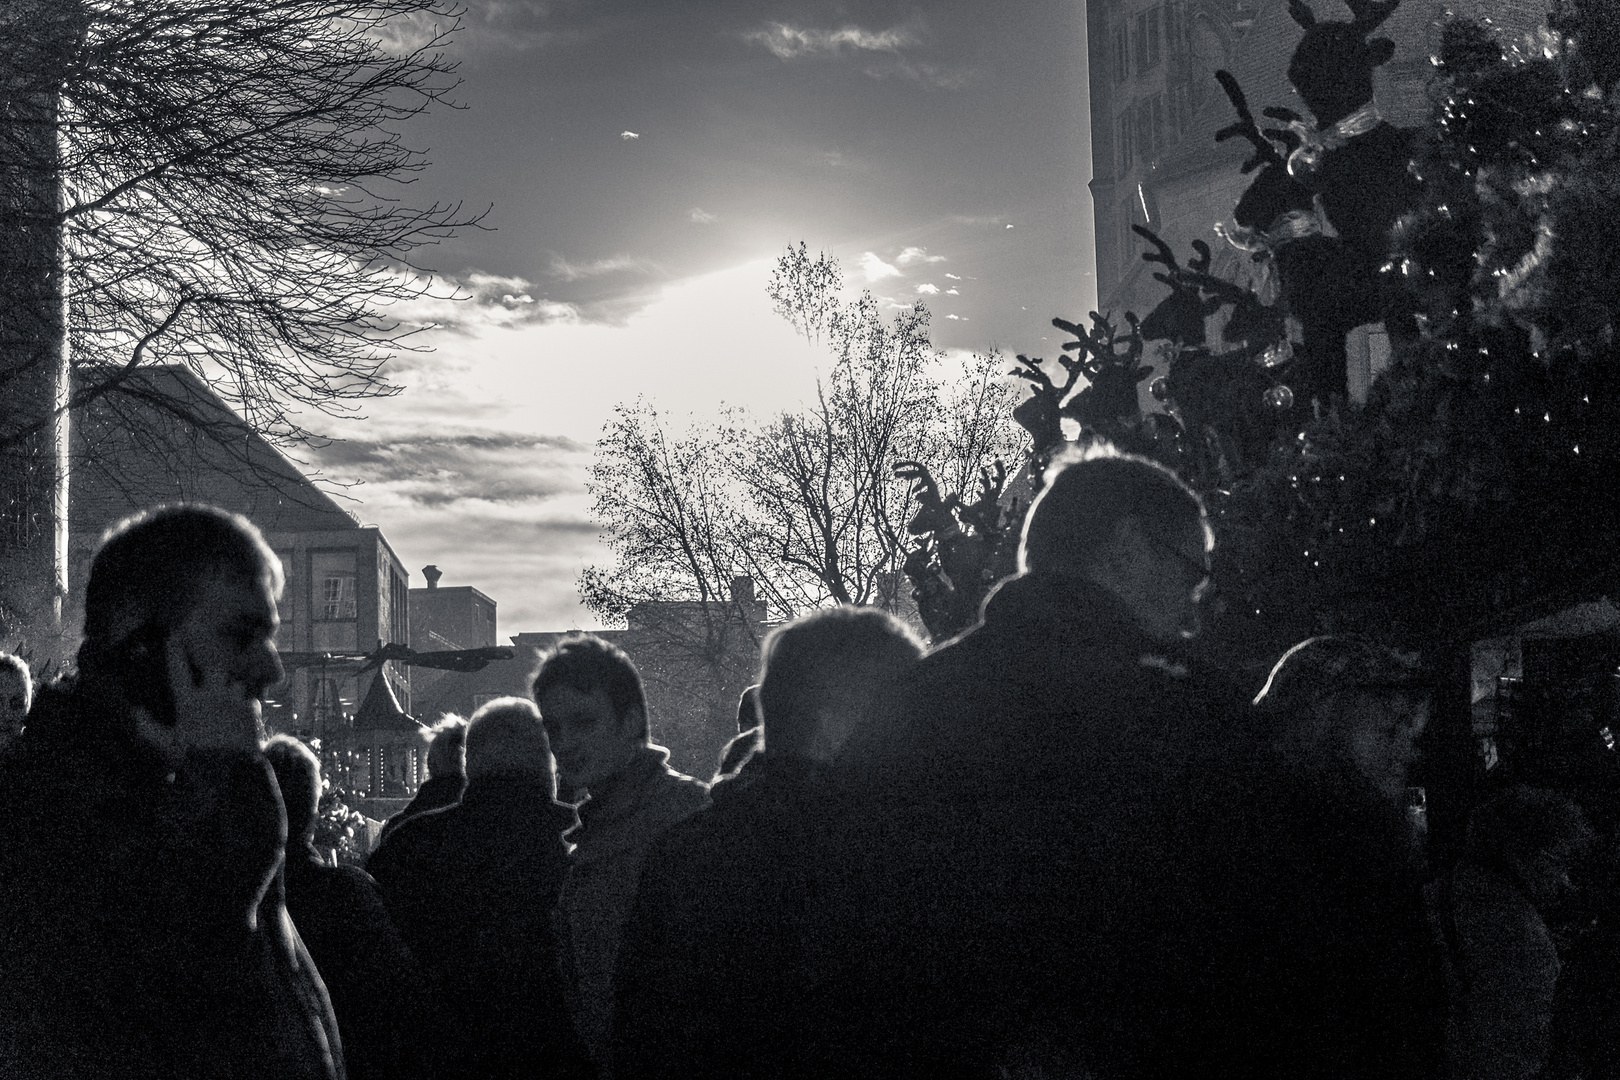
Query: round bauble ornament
pixel 1279 397
pixel 1305 160
pixel 1160 389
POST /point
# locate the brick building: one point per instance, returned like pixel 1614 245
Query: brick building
pixel 448 619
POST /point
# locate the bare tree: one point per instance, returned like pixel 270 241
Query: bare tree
pixel 213 183
pixel 668 502
pixel 807 503
pixel 826 505
pixel 232 193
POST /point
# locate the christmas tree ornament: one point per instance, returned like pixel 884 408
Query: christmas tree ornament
pixel 1160 388
pixel 1280 397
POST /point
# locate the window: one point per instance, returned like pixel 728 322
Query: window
pixel 1122 52
pixel 332 582
pixel 1177 39
pixel 1147 40
pixel 1180 106
pixel 1125 142
pixel 337 597
pixel 1127 240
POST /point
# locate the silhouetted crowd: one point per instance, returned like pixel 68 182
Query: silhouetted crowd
pixel 1052 847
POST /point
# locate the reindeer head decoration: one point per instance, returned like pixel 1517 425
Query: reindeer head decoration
pixel 1274 192
pixel 1333 64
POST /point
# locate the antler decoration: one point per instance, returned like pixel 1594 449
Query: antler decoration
pixel 934 512
pixel 1041 414
pixel 1264 152
pixel 1180 316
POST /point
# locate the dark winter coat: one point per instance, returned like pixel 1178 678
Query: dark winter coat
pixel 1038 846
pixel 618 825
pixel 383 1004
pixel 1507 967
pixel 143 931
pixel 718 972
pixel 1358 983
pixel 471 888
pixel 436 792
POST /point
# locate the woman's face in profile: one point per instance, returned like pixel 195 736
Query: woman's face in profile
pixel 1380 733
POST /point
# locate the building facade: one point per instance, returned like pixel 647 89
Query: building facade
pixel 345 589
pixel 448 619
pixel 346 592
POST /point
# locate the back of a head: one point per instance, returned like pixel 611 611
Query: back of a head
pixel 15 668
pixel 298 774
pixel 150 568
pixel 587 663
pixel 1088 493
pixel 748 709
pixel 506 738
pixel 1522 822
pixel 830 667
pixel 447 742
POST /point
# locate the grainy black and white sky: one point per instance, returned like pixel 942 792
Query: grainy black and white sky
pixel 645 163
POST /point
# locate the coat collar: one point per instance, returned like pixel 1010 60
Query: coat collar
pixel 640 797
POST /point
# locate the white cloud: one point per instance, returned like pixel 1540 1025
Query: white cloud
pixel 917 255
pixel 789 42
pixel 628 135
pixel 953 292
pixel 568 271
pixel 953 316
pixel 701 216
pixel 1009 226
pixel 875 268
pixel 928 289
pixel 953 277
pixel 472 303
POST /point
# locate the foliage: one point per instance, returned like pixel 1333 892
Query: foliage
pixel 230 188
pixel 338 827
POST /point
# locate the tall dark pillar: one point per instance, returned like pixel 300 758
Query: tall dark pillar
pixel 39 36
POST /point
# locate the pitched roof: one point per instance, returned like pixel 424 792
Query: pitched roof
pixel 380 710
pixel 165 436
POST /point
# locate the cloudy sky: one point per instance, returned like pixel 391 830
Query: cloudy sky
pixel 644 164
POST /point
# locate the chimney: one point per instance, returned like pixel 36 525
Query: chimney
pixel 742 590
pixel 433 574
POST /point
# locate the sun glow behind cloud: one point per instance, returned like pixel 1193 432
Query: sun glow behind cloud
pixel 479 465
